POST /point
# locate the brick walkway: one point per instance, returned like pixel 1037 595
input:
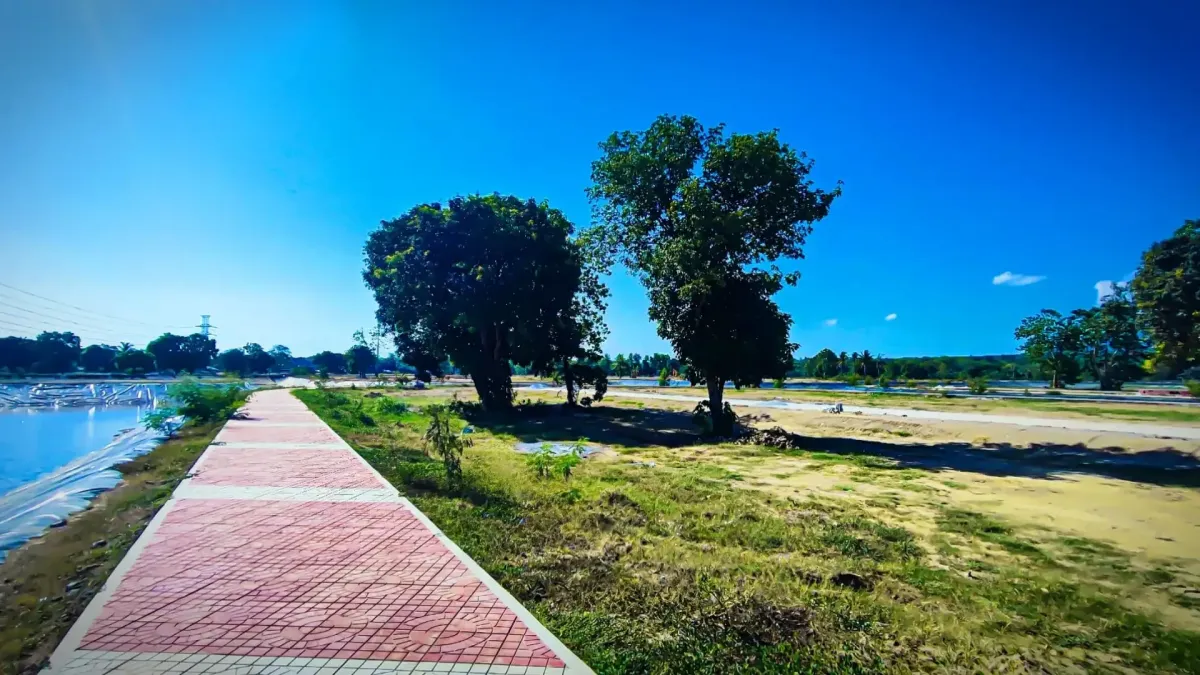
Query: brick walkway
pixel 286 553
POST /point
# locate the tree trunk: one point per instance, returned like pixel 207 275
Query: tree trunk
pixel 493 383
pixel 568 382
pixel 722 425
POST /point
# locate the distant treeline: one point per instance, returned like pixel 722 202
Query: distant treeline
pixel 826 364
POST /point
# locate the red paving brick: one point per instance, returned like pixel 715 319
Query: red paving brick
pixel 283 468
pixel 323 579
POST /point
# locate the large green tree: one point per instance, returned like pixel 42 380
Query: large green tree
pixel 485 280
pixel 182 353
pixel 360 359
pixel 57 352
pixel 97 358
pixel 1112 348
pixel 258 360
pixel 702 218
pixel 133 361
pixel 1167 291
pixel 1052 342
pixel 234 362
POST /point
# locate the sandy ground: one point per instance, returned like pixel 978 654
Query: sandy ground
pixel 1098 426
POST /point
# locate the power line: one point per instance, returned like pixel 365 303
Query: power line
pixel 55 321
pixel 80 309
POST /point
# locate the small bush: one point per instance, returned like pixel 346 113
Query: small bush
pixel 160 420
pixel 779 383
pixel 852 379
pixel 441 441
pixel 386 405
pixel 977 385
pixel 664 377
pixel 204 404
pixel 302 371
pixel 702 417
pixel 1193 387
pixel 910 383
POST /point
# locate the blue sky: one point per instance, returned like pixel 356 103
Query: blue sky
pixel 164 160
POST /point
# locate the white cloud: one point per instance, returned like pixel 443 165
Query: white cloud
pixel 1010 279
pixel 1103 290
pixel 890 317
pixel 830 322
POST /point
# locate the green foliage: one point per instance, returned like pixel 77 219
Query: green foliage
pixel 664 377
pixel 205 403
pixel 1167 291
pixel 98 358
pixel 1111 346
pixel 182 354
pixel 541 461
pixel 1052 342
pixel 301 371
pixel 160 420
pixel 443 442
pixel 390 406
pixel 233 362
pixel 259 360
pixel 778 383
pixel 696 216
pixel 1193 387
pixel 852 379
pixel 545 463
pixel 977 385
pixel 360 359
pixel 329 362
pixel 487 281
pixel 133 361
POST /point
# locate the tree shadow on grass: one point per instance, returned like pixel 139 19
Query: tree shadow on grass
pixel 1164 466
pixel 633 428
pixel 605 425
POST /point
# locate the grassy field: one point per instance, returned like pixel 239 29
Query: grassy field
pixel 47 583
pixel 1129 412
pixel 666 554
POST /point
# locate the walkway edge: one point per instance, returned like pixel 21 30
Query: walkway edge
pixel 70 643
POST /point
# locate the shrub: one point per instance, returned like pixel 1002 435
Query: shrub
pixel 441 441
pixel 883 382
pixel 1193 387
pixel 545 463
pixel 702 417
pixel 852 379
pixel 664 377
pixel 977 385
pixel 541 461
pixel 910 383
pixel 161 420
pixel 302 371
pixel 779 383
pixel 386 405
pixel 205 404
pixel 868 380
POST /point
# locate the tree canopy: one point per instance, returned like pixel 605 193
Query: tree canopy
pixel 1166 288
pixel 702 219
pixel 1052 341
pixel 98 358
pixel 182 353
pixel 487 281
pixel 1111 347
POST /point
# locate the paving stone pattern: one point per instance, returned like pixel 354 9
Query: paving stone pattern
pixel 277 559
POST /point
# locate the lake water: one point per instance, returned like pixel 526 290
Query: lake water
pixel 53 461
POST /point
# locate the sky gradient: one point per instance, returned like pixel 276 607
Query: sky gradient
pixel 166 160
